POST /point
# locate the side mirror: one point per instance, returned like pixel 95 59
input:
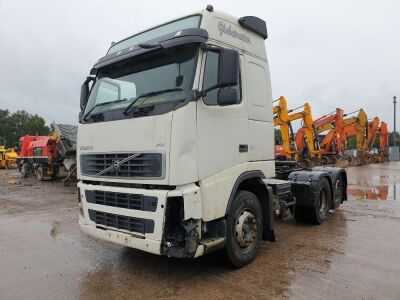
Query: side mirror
pixel 85 92
pixel 227 96
pixel 228 67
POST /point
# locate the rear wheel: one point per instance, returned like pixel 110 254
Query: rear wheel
pixel 322 202
pixel 316 214
pixel 244 229
pixel 338 191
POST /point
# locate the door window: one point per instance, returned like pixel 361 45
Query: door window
pixel 211 78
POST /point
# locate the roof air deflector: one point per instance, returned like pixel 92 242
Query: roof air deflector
pixel 254 24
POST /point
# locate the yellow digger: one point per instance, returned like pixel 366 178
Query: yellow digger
pixel 301 145
pixel 8 157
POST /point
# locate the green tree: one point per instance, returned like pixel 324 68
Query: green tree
pixel 13 126
pixel 4 125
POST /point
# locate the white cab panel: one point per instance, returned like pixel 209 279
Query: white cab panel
pixel 259 90
pixel 183 154
pixel 131 135
pixel 216 190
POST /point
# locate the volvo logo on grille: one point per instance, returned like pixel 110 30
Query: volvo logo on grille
pixel 116 164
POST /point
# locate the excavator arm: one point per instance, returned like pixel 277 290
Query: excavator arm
pixel 283 119
pixel 358 126
pixel 383 142
pixel 306 140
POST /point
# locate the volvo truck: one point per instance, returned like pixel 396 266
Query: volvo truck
pixel 176 144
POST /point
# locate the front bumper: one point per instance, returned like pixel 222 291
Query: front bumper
pixel 122 238
pixel 146 240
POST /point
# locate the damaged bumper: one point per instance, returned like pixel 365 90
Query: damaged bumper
pixel 164 222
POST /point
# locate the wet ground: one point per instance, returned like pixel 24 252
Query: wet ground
pixel 355 254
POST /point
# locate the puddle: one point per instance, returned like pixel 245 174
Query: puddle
pixel 374 182
pixel 375 193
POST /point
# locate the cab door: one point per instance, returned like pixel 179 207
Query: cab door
pixel 222 130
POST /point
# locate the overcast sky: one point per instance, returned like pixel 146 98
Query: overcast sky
pixel 339 53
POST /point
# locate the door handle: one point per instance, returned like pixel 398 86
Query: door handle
pixel 243 148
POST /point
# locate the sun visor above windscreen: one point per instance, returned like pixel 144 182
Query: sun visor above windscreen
pixel 153 33
pixel 174 39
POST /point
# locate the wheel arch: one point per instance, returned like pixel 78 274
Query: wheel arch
pixel 252 181
pixel 334 173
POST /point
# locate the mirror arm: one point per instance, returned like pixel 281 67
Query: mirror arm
pixel 204 92
pixel 206 47
pixel 89 79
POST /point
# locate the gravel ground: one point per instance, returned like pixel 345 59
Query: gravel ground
pixel 355 254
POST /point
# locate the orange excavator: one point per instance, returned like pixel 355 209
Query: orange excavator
pixel 377 135
pixel 333 143
pixel 372 135
pixel 303 143
pixel 383 142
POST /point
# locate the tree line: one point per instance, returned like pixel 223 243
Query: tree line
pixel 20 123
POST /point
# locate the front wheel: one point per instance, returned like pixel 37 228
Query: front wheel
pixel 39 174
pixel 244 229
pixel 23 170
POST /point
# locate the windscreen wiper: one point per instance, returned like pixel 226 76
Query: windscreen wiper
pixel 128 108
pixel 102 104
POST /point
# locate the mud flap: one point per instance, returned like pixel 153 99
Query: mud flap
pixel 268 232
pixel 304 186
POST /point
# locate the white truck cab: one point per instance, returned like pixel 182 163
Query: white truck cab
pixel 176 143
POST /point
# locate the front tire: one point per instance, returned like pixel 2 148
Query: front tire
pixel 244 229
pixel 23 170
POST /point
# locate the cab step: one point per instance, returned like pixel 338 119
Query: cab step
pixel 212 244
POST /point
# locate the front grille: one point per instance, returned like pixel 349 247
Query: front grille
pixel 137 165
pixel 129 201
pixel 122 222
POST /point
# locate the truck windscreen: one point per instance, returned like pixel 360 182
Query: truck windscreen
pixel 162 77
pixel 185 23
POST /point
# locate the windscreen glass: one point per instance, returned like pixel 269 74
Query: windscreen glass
pixel 166 76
